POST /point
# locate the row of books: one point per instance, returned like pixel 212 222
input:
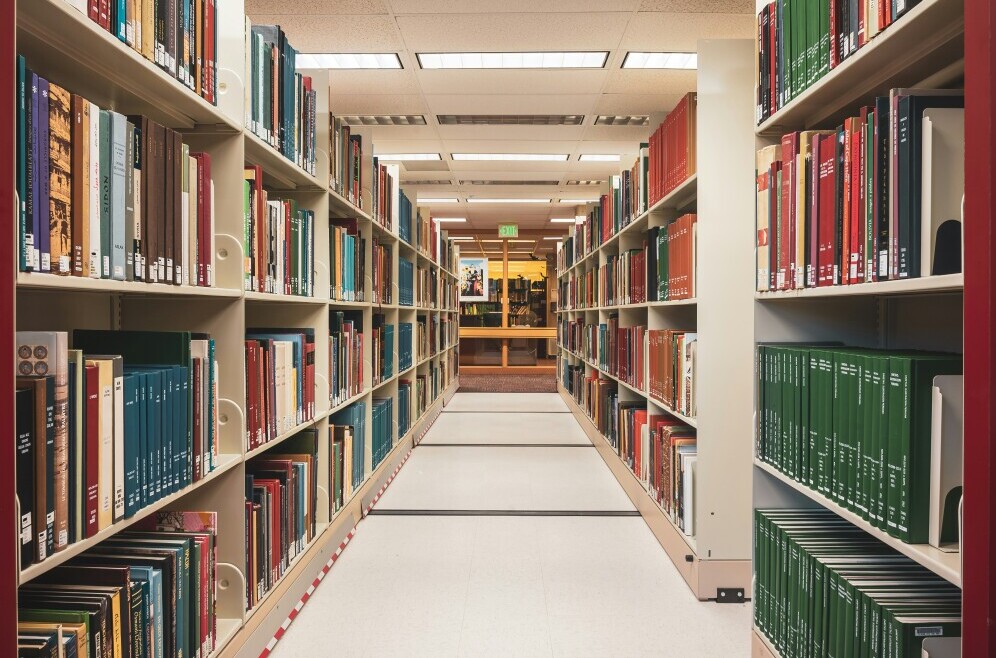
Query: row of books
pixel 623 278
pixel 855 425
pixel 107 428
pixel 671 265
pixel 346 162
pixel 180 37
pixel 382 266
pixel 147 592
pixel 345 355
pixel 347 260
pixel 404 346
pixel 427 235
pixel 668 456
pixel 578 291
pixel 279 241
pixel 407 217
pixel 825 588
pixel 281 105
pixel 671 364
pixel 341 457
pixel 384 181
pixel 355 418
pixel 404 406
pixel 382 429
pixel 660 450
pixel 107 196
pixel 878 198
pixel 382 350
pixel 406 282
pixel 621 351
pixel 280 382
pixel 800 42
pixel 281 510
pixel 672 149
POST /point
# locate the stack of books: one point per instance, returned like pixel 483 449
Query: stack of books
pixel 345 355
pixel 346 261
pixel 280 382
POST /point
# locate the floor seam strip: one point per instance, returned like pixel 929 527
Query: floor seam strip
pixel 443 512
pixel 507 445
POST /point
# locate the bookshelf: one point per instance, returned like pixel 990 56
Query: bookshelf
pixel 64 46
pixel 923 48
pixel 717 555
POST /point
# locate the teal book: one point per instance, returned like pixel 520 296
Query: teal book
pixel 133 384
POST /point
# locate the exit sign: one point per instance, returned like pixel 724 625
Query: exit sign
pixel 508 230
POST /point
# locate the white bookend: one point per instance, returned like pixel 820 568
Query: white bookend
pixel 943 184
pixel 946 441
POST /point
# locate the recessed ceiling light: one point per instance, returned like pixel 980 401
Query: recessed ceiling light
pixel 460 238
pixel 508 200
pixel 510 119
pixel 585 182
pixel 622 120
pixel 660 61
pixel 436 200
pixel 449 219
pixel 512 60
pixel 578 201
pixel 598 157
pixel 385 120
pixel 399 157
pixel 511 157
pixel 492 241
pixel 563 220
pixel 348 61
pixel 555 237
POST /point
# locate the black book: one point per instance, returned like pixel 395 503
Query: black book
pixel 25 465
pixel 838 232
pixel 881 188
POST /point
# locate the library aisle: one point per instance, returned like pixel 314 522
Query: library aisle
pixel 505 534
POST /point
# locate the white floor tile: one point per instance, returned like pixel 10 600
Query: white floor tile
pixel 510 586
pixel 504 478
pixel 505 402
pixel 506 428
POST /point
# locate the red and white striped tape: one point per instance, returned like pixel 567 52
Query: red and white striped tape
pixel 335 556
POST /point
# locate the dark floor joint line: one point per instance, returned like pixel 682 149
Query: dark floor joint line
pixel 498 512
pixel 489 411
pixel 506 445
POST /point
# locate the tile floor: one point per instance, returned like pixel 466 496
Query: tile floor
pixel 514 583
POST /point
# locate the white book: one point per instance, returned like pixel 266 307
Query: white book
pixel 105 457
pixel 942 186
pixel 946 455
pixel 688 466
pixel 96 258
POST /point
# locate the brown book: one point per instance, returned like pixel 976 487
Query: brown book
pixel 60 179
pixel 83 575
pixel 176 276
pixel 80 197
pixel 157 258
pixel 169 170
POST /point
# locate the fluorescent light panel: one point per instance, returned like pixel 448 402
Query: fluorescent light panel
pixel 555 237
pixel 449 219
pixel 348 61
pixel 563 220
pixel 510 119
pixel 682 61
pixel 401 157
pixel 385 120
pixel 448 200
pixel 508 200
pixel 460 238
pixel 578 201
pixel 598 157
pixel 510 157
pixel 514 60
pixel 622 120
pixel 585 182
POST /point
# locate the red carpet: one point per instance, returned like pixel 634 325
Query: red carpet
pixel 510 383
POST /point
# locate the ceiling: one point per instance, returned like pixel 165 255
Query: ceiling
pixel 410 26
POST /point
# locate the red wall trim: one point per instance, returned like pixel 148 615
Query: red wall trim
pixel 980 294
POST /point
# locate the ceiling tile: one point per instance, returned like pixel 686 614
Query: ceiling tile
pixel 509 6
pixel 681 32
pixel 636 103
pixel 633 81
pixel 511 104
pixel 512 32
pixel 700 6
pixel 336 33
pixel 377 104
pixel 373 82
pixel 327 7
pixel 518 82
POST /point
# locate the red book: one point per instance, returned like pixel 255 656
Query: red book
pixel 92 440
pixel 827 212
pixel 845 200
pixel 104 14
pixel 205 275
pixel 856 268
pixel 812 219
pixel 786 233
pixel 93 10
pixel 772 58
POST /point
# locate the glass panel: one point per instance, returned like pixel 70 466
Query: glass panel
pixel 480 352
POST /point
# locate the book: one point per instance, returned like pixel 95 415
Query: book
pixel 280 382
